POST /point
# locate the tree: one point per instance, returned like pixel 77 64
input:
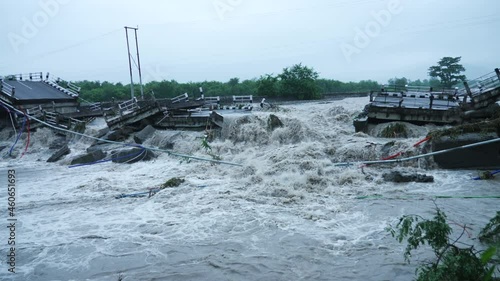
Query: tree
pixel 448 71
pixel 233 86
pixel 299 82
pixel 453 261
pixel 233 82
pixel 399 82
pixel 268 86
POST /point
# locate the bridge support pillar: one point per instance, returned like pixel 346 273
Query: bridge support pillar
pixel 497 71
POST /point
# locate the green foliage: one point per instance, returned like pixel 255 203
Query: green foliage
pixel 173 182
pixel 419 231
pixel 268 86
pixel 397 130
pixel 335 86
pixel 208 149
pixel 491 232
pixel 205 145
pixel 452 262
pixel 456 264
pixel 448 71
pixel 399 82
pixel 299 82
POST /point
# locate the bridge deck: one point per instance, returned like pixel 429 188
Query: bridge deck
pixel 28 91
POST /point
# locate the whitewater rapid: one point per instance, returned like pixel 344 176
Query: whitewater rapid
pixel 288 213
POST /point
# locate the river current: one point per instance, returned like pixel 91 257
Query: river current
pixel 288 213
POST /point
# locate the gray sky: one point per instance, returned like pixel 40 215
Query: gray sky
pixel 197 40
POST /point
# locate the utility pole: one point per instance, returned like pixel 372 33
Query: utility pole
pixel 130 66
pixel 130 62
pixel 139 63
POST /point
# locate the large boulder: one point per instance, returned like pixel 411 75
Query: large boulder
pixel 101 132
pixel 132 155
pixel 396 176
pixel 89 157
pixel 101 147
pixel 117 135
pixel 274 122
pixel 58 143
pixel 64 150
pixel 144 134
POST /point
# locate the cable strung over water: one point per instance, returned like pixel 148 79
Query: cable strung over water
pixel 390 161
pixel 169 152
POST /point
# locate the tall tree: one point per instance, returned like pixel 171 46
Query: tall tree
pixel 233 85
pixel 399 82
pixel 448 71
pixel 268 86
pixel 299 82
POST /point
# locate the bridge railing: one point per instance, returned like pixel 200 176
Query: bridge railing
pixel 481 84
pixel 417 89
pixel 35 111
pixel 182 98
pixel 243 99
pixel 95 106
pixel 212 100
pixel 129 105
pixel 33 76
pixel 92 106
pixel 74 88
pixel 396 88
pixel 70 89
pixel 61 121
pixel 7 89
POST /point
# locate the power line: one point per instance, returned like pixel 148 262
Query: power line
pixel 74 45
pixel 125 144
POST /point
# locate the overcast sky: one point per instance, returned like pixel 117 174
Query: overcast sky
pixel 197 40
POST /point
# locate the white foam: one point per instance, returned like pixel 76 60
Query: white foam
pixel 288 201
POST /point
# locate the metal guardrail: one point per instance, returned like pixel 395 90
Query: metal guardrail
pixel 33 76
pixel 212 100
pixel 61 121
pixel 243 99
pixel 399 88
pixel 50 117
pixel 70 89
pixel 92 106
pixel 95 106
pixel 7 89
pixel 486 82
pixel 182 98
pixel 417 89
pixel 35 111
pixel 74 88
pixel 129 105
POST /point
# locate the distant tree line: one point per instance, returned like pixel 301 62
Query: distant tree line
pixel 295 82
